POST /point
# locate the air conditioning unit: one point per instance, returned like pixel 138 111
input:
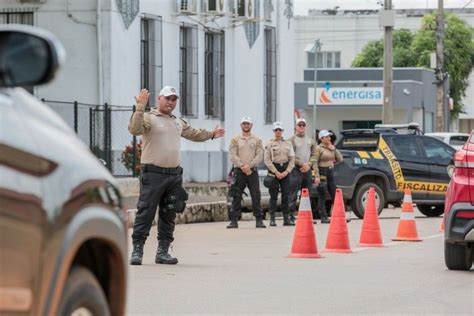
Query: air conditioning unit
pixel 215 7
pixel 186 7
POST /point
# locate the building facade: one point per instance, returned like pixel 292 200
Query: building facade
pixel 344 33
pixel 222 55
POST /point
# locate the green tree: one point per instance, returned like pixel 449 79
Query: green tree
pixel 413 49
pixel 372 53
pixel 458 53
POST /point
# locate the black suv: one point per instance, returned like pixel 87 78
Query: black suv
pixel 63 242
pixel 392 158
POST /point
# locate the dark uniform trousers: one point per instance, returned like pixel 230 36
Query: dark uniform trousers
pixel 155 187
pixel 298 180
pixel 284 186
pixel 325 187
pixel 241 181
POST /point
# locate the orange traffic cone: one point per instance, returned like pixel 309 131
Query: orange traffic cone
pixel 407 226
pixel 371 236
pixel 304 240
pixel 338 236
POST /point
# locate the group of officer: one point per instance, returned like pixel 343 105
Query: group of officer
pixel 291 164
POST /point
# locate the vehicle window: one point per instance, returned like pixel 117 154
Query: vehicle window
pixel 437 151
pixel 366 142
pixel 458 140
pixel 441 138
pixel 405 148
pixel 472 139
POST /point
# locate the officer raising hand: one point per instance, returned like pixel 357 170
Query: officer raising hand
pixel 161 179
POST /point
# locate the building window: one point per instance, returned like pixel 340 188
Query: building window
pixel 214 74
pixel 270 75
pixel 325 59
pixel 17 18
pixel 188 70
pixel 151 57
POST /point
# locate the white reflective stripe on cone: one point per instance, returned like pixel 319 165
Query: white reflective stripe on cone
pixel 407 198
pixel 305 204
pixel 407 215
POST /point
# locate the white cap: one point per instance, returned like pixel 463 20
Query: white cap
pixel 299 120
pixel 168 90
pixel 246 119
pixel 278 125
pixel 324 133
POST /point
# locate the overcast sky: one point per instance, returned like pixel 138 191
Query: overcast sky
pixel 301 7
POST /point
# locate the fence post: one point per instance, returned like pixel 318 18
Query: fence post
pixel 91 137
pixel 134 153
pixel 107 137
pixel 75 117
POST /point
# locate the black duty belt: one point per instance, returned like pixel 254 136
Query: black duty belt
pixel 152 168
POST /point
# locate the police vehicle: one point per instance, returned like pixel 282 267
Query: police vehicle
pixel 392 158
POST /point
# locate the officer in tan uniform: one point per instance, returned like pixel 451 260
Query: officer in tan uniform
pixel 305 148
pixel 279 158
pixel 161 178
pixel 246 152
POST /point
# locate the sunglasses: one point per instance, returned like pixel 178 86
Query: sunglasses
pixel 278 130
pixel 245 123
pixel 302 125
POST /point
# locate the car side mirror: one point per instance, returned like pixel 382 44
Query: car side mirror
pixel 28 56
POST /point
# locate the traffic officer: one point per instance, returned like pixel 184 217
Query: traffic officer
pixel 323 168
pixel 161 178
pixel 279 158
pixel 246 152
pixel 305 148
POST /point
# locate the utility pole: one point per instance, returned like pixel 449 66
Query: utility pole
pixel 317 49
pixel 439 72
pixel 387 20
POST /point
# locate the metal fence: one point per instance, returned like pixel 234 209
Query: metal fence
pixel 104 128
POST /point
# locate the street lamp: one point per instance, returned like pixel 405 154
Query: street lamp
pixel 315 49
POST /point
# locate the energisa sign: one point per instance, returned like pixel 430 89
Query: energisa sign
pixel 346 96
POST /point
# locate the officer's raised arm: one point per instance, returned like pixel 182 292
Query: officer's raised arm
pixel 140 122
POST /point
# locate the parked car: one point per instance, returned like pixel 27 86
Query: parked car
pixel 456 140
pixel 63 240
pixel 459 210
pixel 392 158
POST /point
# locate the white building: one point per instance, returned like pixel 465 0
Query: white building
pixel 344 33
pixel 228 59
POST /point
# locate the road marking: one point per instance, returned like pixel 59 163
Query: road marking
pixel 390 244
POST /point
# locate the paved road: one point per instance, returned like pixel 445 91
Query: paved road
pixel 246 271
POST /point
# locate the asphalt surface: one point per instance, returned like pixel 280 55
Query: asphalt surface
pixel 246 272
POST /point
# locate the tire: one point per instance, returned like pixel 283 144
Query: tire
pixel 458 256
pixel 83 293
pixel 431 210
pixel 360 195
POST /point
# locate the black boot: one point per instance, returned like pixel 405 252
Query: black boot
pixel 259 223
pixel 233 224
pixel 162 255
pixel 324 217
pixel 272 220
pixel 137 253
pixel 292 219
pixel 286 220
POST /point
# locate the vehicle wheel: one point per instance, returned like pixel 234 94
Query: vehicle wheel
pixel 431 210
pixel 83 295
pixel 457 257
pixel 359 200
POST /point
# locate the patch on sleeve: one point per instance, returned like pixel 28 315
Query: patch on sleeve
pixel 233 141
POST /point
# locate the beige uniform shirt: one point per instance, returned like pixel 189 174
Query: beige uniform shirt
pixel 279 151
pixel 325 157
pixel 161 140
pixel 304 147
pixel 246 151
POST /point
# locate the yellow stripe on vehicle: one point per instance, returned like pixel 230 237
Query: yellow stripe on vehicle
pixel 363 154
pixel 376 155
